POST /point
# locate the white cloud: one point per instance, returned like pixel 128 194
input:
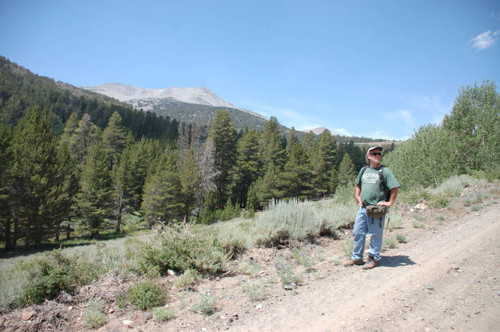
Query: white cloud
pixel 402 116
pixel 342 132
pixel 384 135
pixel 485 40
pixel 433 106
pixel 495 15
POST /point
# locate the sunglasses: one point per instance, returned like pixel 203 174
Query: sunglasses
pixel 375 153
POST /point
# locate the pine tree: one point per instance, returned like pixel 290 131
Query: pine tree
pixel 70 188
pixel 37 180
pixel 292 140
pixel 190 179
pixel 327 150
pixel 123 186
pixel 295 181
pixel 319 175
pixel 347 172
pixel 69 128
pixel 163 199
pixel 223 135
pixel 95 199
pixel 142 162
pixel 115 137
pixel 273 152
pixel 310 143
pixel 248 165
pixel 6 186
pixel 84 135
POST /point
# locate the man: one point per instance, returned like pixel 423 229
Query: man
pixel 370 193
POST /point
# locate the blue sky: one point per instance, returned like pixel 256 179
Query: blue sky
pixel 378 69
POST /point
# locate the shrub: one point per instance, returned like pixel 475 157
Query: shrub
pixel 394 221
pixel 417 224
pixel 230 211
pixel 286 271
pixel 303 257
pixel 146 295
pixel 206 304
pixel 250 268
pixel 187 279
pixel 53 273
pixel 94 316
pixel 180 248
pixel 348 246
pixel 163 314
pixel 390 242
pixel 255 290
pixel 401 238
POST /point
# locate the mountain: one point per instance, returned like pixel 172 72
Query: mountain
pixel 196 104
pixel 129 93
pixel 318 131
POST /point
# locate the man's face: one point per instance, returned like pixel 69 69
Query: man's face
pixel 375 156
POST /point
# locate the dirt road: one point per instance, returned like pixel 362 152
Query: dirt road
pixel 447 281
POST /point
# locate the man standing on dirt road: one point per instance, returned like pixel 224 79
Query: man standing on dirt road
pixel 376 191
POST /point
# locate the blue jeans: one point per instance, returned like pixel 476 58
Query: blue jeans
pixel 364 225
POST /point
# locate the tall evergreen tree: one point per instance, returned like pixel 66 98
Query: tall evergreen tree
pixel 69 173
pixel 292 141
pixel 123 185
pixel 84 135
pixel 115 137
pixel 310 143
pixel 69 128
pixel 6 186
pixel 327 150
pixel 223 135
pixel 36 176
pixel 190 179
pixel 347 172
pixel 273 151
pixel 296 177
pixel 141 159
pixel 163 199
pixel 319 175
pixel 248 165
pixel 95 199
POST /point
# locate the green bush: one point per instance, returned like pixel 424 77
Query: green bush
pixel 163 314
pixel 94 316
pixel 187 279
pixel 53 273
pixel 206 304
pixel 146 295
pixel 401 238
pixel 255 290
pixel 180 248
pixel 390 243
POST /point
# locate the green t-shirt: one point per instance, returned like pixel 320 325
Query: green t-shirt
pixel 372 190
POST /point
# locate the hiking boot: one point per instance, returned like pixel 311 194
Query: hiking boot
pixel 370 264
pixel 352 262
